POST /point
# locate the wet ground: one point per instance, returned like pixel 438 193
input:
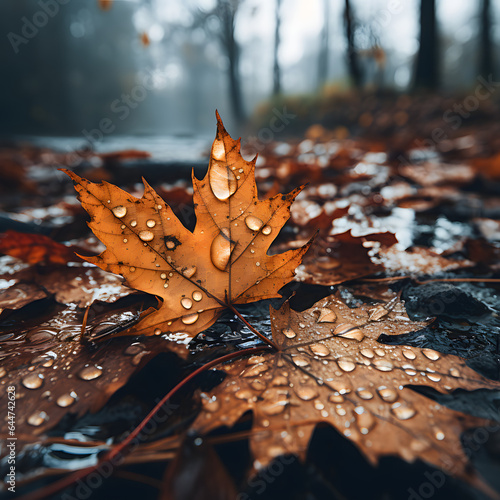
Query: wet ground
pixel 455 217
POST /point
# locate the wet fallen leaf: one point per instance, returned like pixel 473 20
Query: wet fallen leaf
pixel 433 173
pixel 489 167
pixel 55 374
pixel 484 253
pixel 82 285
pixel 78 283
pixel 418 261
pixel 18 295
pixel 341 257
pixel 197 473
pixel 331 369
pixel 36 248
pixel 105 4
pixel 145 40
pixel 196 274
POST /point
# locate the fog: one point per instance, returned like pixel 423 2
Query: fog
pixel 157 67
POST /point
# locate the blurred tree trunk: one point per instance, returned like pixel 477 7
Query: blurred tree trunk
pixel 227 14
pixel 276 68
pixel 426 73
pixel 486 64
pixel 323 51
pixel 352 57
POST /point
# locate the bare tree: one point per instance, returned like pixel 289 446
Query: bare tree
pixel 486 64
pixel 352 57
pixel 226 11
pixel 324 42
pixel 276 66
pixel 426 73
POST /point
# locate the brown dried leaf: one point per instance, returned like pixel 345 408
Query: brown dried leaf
pixel 83 285
pixel 331 369
pixel 197 473
pixel 342 257
pixel 36 248
pixel 55 374
pixel 19 294
pixel 434 174
pixel 196 274
pixel 105 4
pixel 80 284
pixel 417 261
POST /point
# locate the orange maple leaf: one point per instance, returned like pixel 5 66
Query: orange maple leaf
pixel 330 368
pixel 196 274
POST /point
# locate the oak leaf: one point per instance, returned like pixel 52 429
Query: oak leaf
pixel 197 274
pixel 330 368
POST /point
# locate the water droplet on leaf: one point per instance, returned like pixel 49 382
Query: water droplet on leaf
pixel 320 349
pixel 439 434
pixel 66 400
pixel 327 316
pixel 189 319
pixel 346 364
pixel 430 354
pixel 210 404
pixel 364 393
pixel 221 249
pixel 409 370
pixel 364 420
pixel 253 223
pixel 37 418
pixel 146 235
pixel 186 303
pixel 300 360
pixel 306 392
pixel 348 331
pixel 189 272
pixel 289 333
pixel 402 412
pixel 243 394
pixel 119 211
pixel 409 354
pixel 383 365
pixel 222 181
pixel 90 372
pixel 367 353
pixel 218 149
pixel 387 394
pixel 33 381
pixel 256 370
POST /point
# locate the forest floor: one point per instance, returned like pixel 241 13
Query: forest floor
pixel 401 213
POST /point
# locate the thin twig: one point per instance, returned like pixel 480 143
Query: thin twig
pixel 463 280
pixel 260 335
pixel 67 481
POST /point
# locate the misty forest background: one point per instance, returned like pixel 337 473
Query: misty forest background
pixel 161 67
